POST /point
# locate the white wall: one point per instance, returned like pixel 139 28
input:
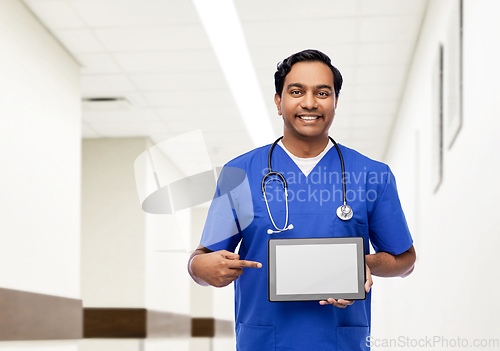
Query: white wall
pixel 453 290
pixel 167 281
pixel 49 345
pixel 110 345
pixel 113 225
pixel 40 164
pixel 39 158
pixel 123 264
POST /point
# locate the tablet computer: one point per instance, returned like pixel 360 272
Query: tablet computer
pixel 316 269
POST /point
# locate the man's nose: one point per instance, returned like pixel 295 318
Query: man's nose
pixel 309 102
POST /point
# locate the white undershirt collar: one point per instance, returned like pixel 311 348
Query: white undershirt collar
pixel 306 165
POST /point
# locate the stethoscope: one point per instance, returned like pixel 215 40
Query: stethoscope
pixel 344 212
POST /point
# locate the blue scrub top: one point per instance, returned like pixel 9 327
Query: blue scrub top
pixel 241 215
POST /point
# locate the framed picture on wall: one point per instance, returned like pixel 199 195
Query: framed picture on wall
pixel 453 74
pixel 437 119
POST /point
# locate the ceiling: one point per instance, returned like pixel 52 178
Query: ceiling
pixel 157 56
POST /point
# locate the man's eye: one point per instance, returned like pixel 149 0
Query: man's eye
pixel 323 93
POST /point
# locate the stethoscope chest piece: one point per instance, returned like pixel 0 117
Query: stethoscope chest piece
pixel 344 212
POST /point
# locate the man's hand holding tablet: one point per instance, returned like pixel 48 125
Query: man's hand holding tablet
pixel 344 303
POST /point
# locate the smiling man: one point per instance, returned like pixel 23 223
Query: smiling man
pixel 307 93
pixel 307 103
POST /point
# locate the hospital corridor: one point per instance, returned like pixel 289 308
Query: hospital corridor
pixel 120 120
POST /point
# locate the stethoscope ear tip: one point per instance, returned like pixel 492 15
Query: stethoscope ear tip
pixel 269 231
pixel 290 226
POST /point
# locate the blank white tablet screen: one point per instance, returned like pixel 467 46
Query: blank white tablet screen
pixel 315 269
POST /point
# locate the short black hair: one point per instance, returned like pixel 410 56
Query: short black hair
pixel 285 66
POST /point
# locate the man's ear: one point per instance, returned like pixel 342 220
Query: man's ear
pixel 336 102
pixel 277 101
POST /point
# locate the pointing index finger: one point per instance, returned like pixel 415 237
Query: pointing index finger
pixel 243 263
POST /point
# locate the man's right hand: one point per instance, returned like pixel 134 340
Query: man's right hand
pixel 220 268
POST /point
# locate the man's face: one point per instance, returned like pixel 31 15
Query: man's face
pixel 307 103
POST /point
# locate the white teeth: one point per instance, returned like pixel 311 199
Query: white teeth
pixel 308 118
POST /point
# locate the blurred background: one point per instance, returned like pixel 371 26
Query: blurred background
pixel 88 86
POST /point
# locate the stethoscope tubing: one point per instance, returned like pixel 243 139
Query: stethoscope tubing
pixel 270 171
pixel 344 192
pixel 340 211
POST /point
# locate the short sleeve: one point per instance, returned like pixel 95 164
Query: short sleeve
pixel 387 223
pixel 230 212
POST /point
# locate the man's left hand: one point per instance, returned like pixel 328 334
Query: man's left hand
pixel 344 303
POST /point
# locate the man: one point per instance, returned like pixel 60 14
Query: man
pixel 307 91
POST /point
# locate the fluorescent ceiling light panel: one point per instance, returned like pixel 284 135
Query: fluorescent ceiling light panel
pixel 223 27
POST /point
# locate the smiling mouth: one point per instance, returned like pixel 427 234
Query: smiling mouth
pixel 308 118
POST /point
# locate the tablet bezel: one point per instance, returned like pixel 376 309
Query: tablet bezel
pixel 360 251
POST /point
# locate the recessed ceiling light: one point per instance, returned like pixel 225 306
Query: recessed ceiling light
pixel 223 28
pixel 106 104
